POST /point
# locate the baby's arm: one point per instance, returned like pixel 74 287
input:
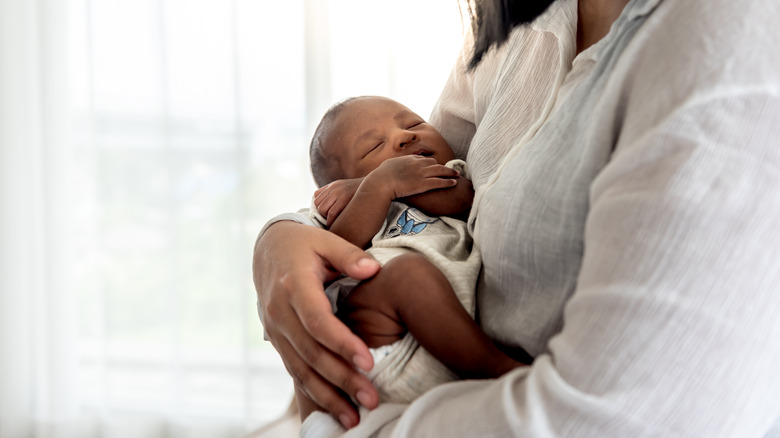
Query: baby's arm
pixel 330 200
pixel 383 308
pixel 393 179
pixel 454 202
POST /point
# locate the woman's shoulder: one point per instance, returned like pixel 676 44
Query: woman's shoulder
pixel 709 44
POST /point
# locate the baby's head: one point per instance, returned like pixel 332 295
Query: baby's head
pixel 357 134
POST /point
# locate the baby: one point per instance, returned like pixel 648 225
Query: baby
pixel 389 183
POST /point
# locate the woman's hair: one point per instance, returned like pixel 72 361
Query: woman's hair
pixel 493 20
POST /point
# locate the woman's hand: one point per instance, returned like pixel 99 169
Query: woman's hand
pixel 331 199
pixel 291 263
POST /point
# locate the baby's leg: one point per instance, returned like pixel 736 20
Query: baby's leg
pixel 410 293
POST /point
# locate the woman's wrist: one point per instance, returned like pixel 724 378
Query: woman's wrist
pixel 298 217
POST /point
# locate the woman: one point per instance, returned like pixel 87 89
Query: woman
pixel 625 159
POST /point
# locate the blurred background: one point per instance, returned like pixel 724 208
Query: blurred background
pixel 143 144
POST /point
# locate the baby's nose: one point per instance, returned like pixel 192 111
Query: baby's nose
pixel 406 138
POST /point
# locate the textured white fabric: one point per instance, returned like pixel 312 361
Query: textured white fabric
pixel 38 323
pixel 631 242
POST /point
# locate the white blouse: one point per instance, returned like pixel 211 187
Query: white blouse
pixel 628 213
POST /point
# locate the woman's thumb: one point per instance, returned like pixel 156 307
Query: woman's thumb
pixel 363 268
pixel 351 260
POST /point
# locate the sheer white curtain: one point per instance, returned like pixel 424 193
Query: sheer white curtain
pixel 142 146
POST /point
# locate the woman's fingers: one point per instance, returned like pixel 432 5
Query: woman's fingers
pixel 292 262
pixel 317 320
pixel 346 258
pixel 317 389
pixel 339 256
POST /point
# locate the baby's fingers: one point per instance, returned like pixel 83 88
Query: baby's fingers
pixel 441 171
pixel 435 183
pixel 335 210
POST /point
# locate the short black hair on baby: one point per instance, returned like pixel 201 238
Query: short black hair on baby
pixel 324 165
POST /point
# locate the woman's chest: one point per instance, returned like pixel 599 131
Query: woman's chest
pixel 530 219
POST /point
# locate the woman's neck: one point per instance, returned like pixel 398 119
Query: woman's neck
pixel 594 18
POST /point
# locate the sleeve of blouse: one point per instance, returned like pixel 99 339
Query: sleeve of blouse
pixel 673 328
pixel 453 115
pixel 301 216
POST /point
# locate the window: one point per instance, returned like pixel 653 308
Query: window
pixel 186 128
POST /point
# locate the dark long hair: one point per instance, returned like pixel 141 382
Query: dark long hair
pixel 493 20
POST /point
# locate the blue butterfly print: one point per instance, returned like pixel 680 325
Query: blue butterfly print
pixel 408 226
pixel 409 223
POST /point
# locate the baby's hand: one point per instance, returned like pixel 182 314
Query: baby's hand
pixel 413 174
pixel 331 199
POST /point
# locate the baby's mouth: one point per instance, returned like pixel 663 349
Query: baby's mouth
pixel 423 153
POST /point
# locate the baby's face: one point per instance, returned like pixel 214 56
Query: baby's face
pixel 370 130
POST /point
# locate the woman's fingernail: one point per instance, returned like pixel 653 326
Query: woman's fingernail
pixel 365 263
pixel 361 363
pixel 363 398
pixel 345 421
